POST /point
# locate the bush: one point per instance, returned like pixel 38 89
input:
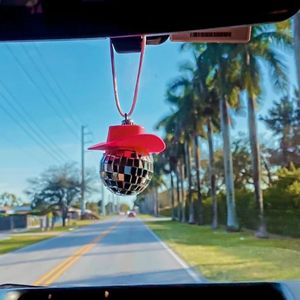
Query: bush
pixel 282 217
pixel 285 192
pixel 281 202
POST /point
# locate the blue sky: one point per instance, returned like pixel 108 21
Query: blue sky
pixel 83 83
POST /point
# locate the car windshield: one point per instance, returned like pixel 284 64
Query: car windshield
pixel 220 203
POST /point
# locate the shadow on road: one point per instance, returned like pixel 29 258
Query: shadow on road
pixel 160 277
pixel 62 257
pixel 81 237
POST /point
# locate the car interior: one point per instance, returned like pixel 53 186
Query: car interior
pixel 124 22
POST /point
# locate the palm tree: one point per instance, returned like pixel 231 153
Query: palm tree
pixel 209 107
pixel 297 44
pixel 250 55
pixel 188 107
pixel 211 112
pixel 174 153
pixel 156 182
pixel 220 74
pixel 169 157
pixel 181 96
pixel 280 120
pixel 225 85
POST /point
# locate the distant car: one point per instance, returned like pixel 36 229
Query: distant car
pixel 131 214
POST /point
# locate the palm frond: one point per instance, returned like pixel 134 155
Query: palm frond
pixel 278 69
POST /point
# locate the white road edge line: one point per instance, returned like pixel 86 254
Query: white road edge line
pixel 182 263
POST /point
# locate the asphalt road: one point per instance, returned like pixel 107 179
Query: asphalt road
pixel 118 251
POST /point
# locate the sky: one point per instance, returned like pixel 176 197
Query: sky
pixel 60 85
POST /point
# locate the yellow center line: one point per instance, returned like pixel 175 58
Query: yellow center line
pixel 62 267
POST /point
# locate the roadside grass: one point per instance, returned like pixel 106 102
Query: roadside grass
pixel 145 216
pixel 223 256
pixel 149 218
pixel 74 224
pixel 15 242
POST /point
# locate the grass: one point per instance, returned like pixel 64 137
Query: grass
pixel 145 216
pixel 15 242
pixel 222 256
pixel 74 224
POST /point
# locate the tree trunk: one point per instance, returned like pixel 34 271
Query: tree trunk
pixel 212 175
pixel 183 200
pixel 53 220
pixel 199 195
pixel 178 215
pixel 47 222
pixel 297 44
pixel 172 196
pixel 267 167
pixel 63 215
pixel 232 223
pixel 155 202
pixel 284 144
pixel 256 166
pixel 189 175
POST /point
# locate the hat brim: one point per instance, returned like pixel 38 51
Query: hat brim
pixel 145 143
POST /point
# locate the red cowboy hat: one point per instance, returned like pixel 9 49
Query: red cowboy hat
pixel 130 137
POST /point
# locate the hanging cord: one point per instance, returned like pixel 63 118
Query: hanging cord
pixel 115 84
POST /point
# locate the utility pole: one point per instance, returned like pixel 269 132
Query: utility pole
pixel 103 210
pixel 82 204
pixel 83 143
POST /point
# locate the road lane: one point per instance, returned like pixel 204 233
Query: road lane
pixel 28 264
pixel 108 253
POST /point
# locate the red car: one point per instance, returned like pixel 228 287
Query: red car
pixel 131 214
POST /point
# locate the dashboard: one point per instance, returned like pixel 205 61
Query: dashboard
pixel 251 290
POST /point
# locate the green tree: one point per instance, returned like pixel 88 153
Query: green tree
pixel 9 199
pixel 181 96
pixel 222 79
pixel 124 207
pixel 249 57
pixel 281 120
pixel 174 153
pixel 224 82
pixel 208 110
pixel 285 192
pixel 156 182
pixel 217 70
pixel 57 187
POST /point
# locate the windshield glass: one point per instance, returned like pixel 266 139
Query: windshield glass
pixel 223 202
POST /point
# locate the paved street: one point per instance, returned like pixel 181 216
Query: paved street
pixel 118 251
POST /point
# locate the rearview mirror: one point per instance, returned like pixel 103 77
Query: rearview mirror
pixel 64 19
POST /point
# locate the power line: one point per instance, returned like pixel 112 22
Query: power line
pixel 46 99
pixel 83 143
pixel 56 96
pixel 16 121
pixel 18 147
pixel 57 84
pixel 37 130
pixel 60 89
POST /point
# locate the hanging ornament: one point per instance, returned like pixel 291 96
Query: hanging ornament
pixel 126 167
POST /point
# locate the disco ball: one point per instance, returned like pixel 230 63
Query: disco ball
pixel 126 172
